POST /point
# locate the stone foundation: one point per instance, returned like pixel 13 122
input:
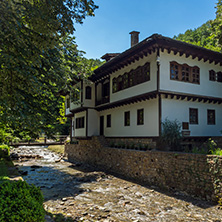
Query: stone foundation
pixel 197 175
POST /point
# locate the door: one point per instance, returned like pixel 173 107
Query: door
pixel 101 125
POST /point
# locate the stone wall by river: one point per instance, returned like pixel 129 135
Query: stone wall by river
pixel 195 174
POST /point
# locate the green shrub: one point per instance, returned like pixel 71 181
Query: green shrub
pixel 171 135
pixel 20 202
pixel 4 151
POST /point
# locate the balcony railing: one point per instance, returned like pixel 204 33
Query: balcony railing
pixel 102 101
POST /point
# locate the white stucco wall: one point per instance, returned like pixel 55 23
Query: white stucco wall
pixel 82 131
pixel 88 102
pixel 179 109
pixel 117 129
pixel 93 122
pixel 138 89
pixel 205 88
pixel 67 110
pixel 77 104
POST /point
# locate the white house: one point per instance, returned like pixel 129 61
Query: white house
pixel 158 78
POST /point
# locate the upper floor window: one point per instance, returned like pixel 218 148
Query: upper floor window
pixel 184 73
pixel 132 78
pixel 193 116
pixel 127 118
pixel 140 117
pixel 215 76
pixel 211 117
pixel 80 122
pixel 88 92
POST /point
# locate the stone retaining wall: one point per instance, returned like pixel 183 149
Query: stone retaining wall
pixel 198 175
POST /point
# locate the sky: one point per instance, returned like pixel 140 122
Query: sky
pixel 108 31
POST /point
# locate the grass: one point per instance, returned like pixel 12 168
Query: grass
pixel 57 148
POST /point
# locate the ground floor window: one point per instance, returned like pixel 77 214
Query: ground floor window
pixel 140 117
pixel 127 118
pixel 80 122
pixel 108 120
pixel 193 116
pixel 211 117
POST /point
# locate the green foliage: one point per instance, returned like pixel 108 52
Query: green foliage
pixel 38 58
pixel 4 151
pixel 213 148
pixel 198 150
pixel 171 134
pixel 202 36
pixel 20 202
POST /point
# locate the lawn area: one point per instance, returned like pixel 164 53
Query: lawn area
pixel 57 148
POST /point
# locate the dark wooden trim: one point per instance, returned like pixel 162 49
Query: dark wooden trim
pixel 189 97
pixel 139 98
pixel 150 44
pixel 82 93
pixel 69 115
pixel 159 95
pixel 87 123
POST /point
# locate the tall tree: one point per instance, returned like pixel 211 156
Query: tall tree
pixel 37 56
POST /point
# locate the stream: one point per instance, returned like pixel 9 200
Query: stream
pixel 81 193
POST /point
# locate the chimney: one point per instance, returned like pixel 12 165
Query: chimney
pixel 134 38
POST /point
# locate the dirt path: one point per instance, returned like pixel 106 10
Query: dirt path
pixel 82 194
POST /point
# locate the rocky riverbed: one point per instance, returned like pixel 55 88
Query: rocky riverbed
pixel 81 193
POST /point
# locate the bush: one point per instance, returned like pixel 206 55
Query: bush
pixel 20 202
pixel 4 151
pixel 171 135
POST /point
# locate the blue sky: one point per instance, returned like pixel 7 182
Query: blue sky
pixel 108 31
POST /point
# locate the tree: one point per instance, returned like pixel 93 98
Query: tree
pixel 38 57
pixel 217 24
pixel 202 36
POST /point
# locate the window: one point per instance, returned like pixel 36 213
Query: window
pixel 127 118
pixel 108 120
pixel 88 92
pixel 215 76
pixel 184 73
pixel 196 75
pixel 211 117
pixel 80 122
pixel 193 116
pixel 140 117
pixel 185 125
pixel 219 77
pixel 132 78
pixel 174 71
pixel 212 75
pixel 114 85
pixel 67 103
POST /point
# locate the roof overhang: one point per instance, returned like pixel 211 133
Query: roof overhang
pixel 150 45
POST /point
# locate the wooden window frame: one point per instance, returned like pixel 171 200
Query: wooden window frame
pixel 219 76
pixel 127 118
pixel 137 76
pixel 212 75
pixel 193 116
pixel 88 91
pixel 80 122
pixel 140 117
pixel 108 121
pixel 211 121
pixel 184 73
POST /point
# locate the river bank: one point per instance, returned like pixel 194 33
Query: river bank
pixel 81 193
